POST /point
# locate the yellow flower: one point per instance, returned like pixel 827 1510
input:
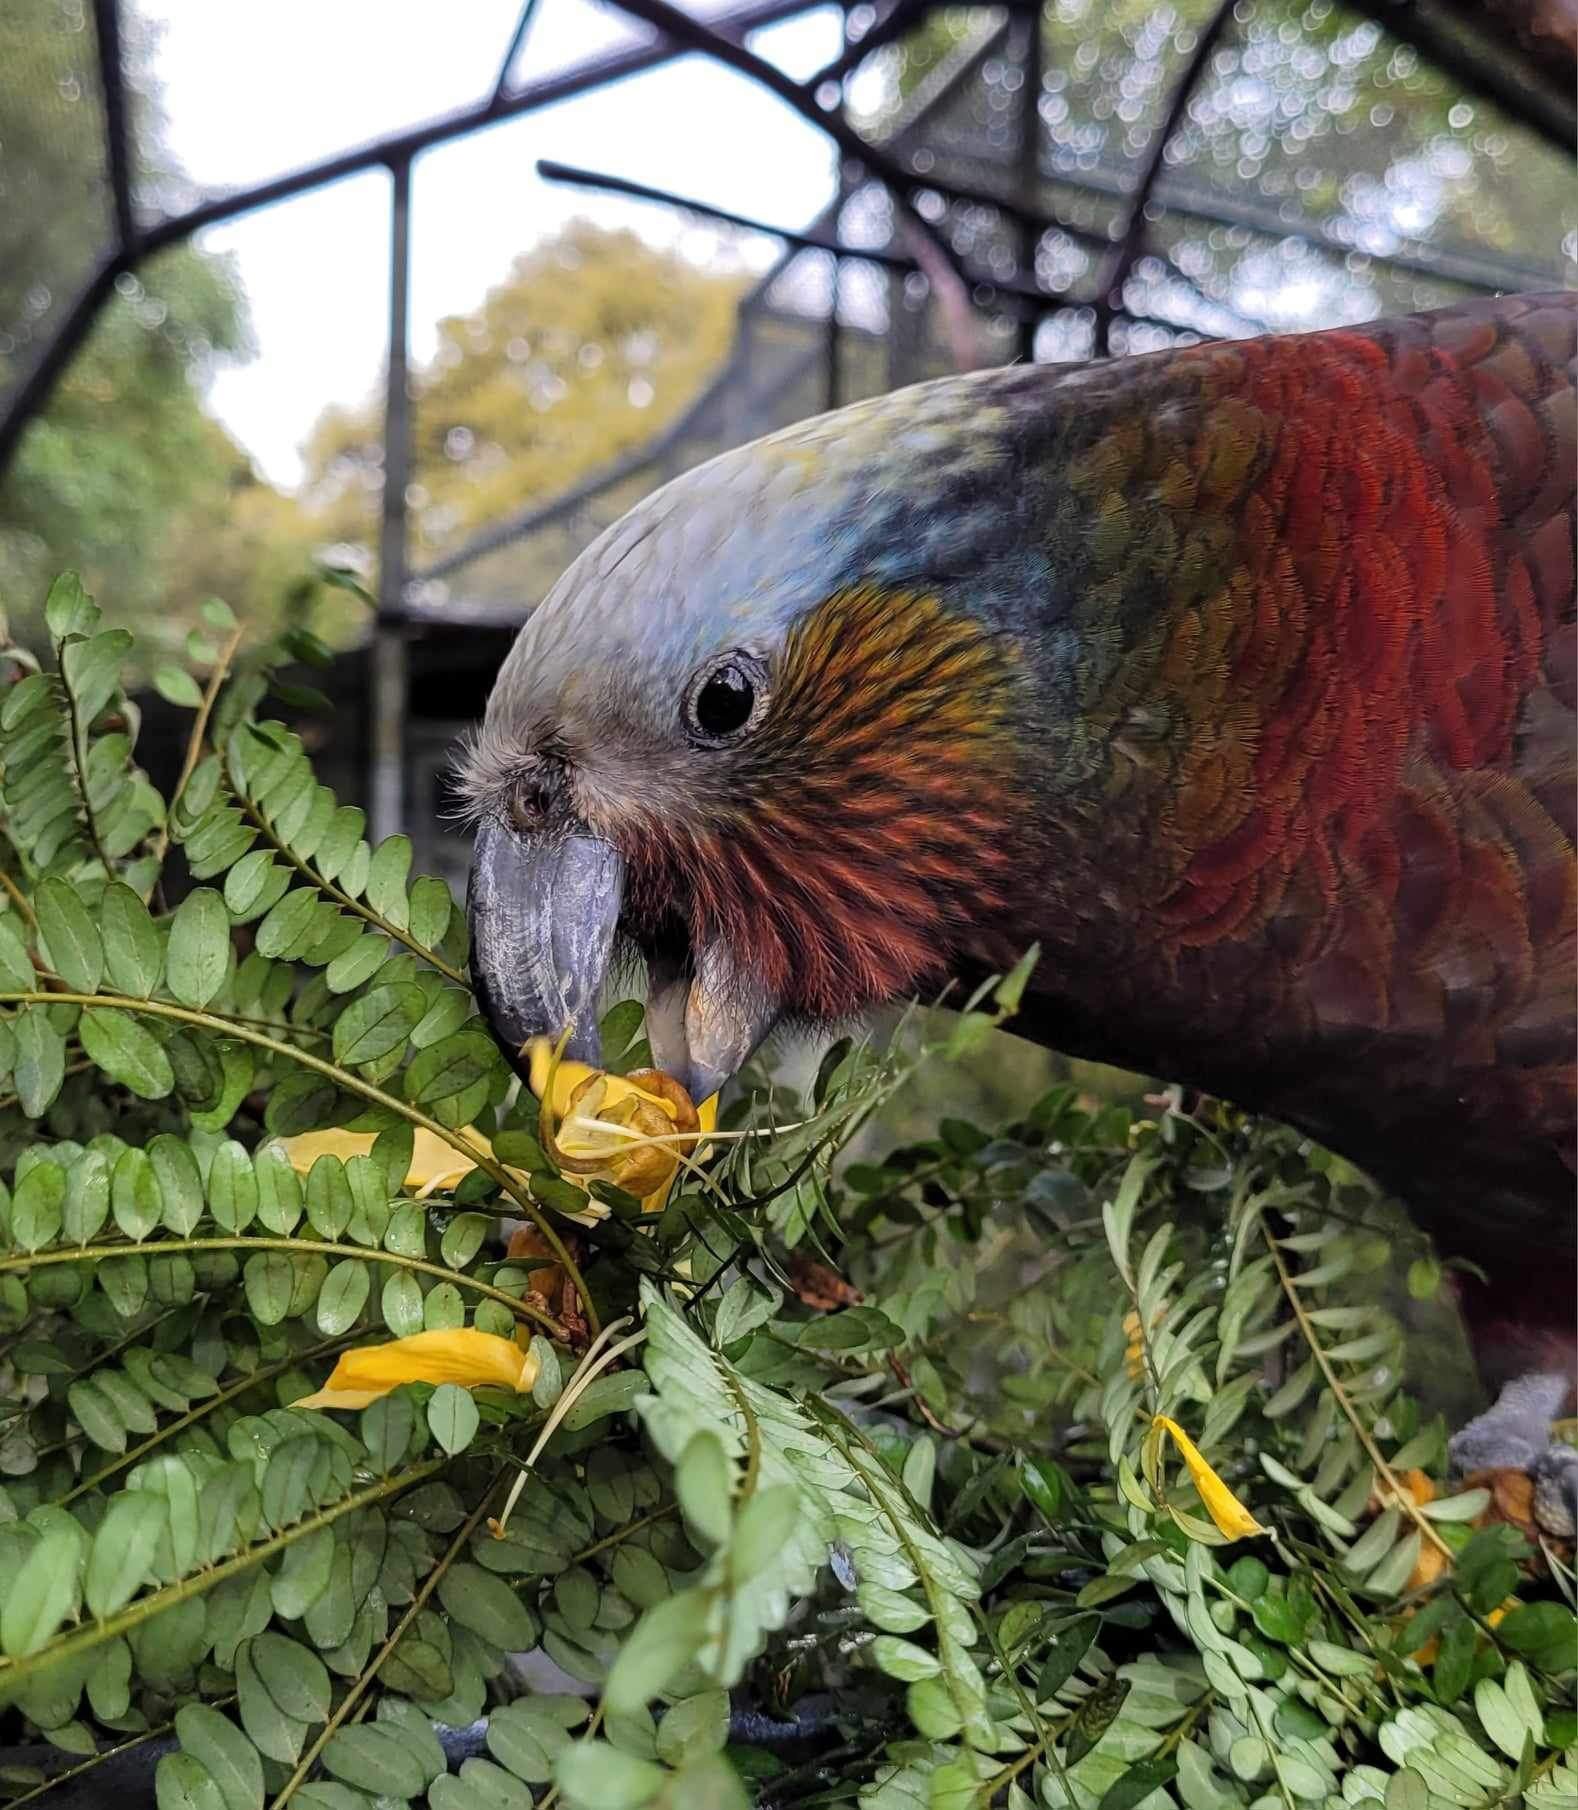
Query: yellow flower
pixel 591 1116
pixel 1233 1520
pixel 463 1355
pixel 646 1103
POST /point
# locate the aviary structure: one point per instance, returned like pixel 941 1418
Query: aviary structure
pixel 1241 677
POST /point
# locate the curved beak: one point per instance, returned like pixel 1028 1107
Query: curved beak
pixel 543 914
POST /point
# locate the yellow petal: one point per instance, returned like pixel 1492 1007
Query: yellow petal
pixel 1233 1520
pixel 434 1161
pixel 463 1355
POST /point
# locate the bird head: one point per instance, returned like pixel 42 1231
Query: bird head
pixel 764 731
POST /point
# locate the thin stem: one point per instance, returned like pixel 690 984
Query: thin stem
pixel 194 742
pixel 621 1534
pixel 163 1247
pixel 359 906
pixel 227 1027
pixel 24 905
pixel 370 1671
pixel 1382 1469
pixel 79 755
pixel 83 1639
pixel 586 1373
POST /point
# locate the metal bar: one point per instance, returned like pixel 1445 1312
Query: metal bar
pixel 117 140
pixel 1031 51
pixel 1133 240
pixel 1448 264
pixel 903 183
pixel 993 291
pixel 903 16
pixel 517 38
pixel 1496 78
pixel 386 780
pixel 32 389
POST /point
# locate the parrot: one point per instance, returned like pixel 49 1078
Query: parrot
pixel 1239 677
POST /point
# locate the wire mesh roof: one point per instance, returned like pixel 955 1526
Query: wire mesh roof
pixel 1060 180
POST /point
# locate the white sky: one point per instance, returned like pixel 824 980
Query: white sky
pixel 302 79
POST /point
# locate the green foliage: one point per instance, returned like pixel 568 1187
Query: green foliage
pixel 829 1425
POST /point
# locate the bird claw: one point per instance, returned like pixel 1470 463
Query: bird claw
pixel 1514 1434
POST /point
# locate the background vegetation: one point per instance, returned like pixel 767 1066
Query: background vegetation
pixel 822 1479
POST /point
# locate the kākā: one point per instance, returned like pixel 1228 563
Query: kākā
pixel 1241 677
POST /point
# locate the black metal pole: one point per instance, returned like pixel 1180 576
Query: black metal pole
pixel 117 134
pixel 386 780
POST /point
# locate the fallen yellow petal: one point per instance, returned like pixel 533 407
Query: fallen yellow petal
pixel 434 1160
pixel 462 1355
pixel 1233 1520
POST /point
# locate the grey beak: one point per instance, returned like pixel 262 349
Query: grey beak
pixel 705 1025
pixel 543 913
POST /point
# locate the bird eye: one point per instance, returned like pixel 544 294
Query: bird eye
pixel 725 698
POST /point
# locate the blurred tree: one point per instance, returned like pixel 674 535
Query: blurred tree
pixel 123 476
pixel 590 348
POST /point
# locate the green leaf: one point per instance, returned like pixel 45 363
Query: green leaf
pixel 343 1296
pixel 37 1206
pixel 225 1753
pixel 180 1185
pixel 269 1280
pixel 401 1302
pixel 182 1783
pixel 287 923
pixel 16 971
pixel 762 1530
pixel 486 1605
pixel 374 1758
pixel 68 609
pixel 177 686
pixel 275 1735
pixel 42 1593
pixel 694 1727
pixel 359 962
pixel 197 958
pixel 1095 1716
pixel 133 952
pixel 1068 1646
pixel 126 1051
pixel 68 936
pixel 295 1678
pixel 1543 1633
pixel 386 893
pixel 703 1482
pixel 378 1022
pixel 431 906
pixel 453 1418
pixel 121 1561
pixel 40 1066
pixel 134 1194
pixel 1011 988
pixel 87 1203
pixel 853 1329
pixel 595 1776
pixel 664 1639
pixel 1137 1784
